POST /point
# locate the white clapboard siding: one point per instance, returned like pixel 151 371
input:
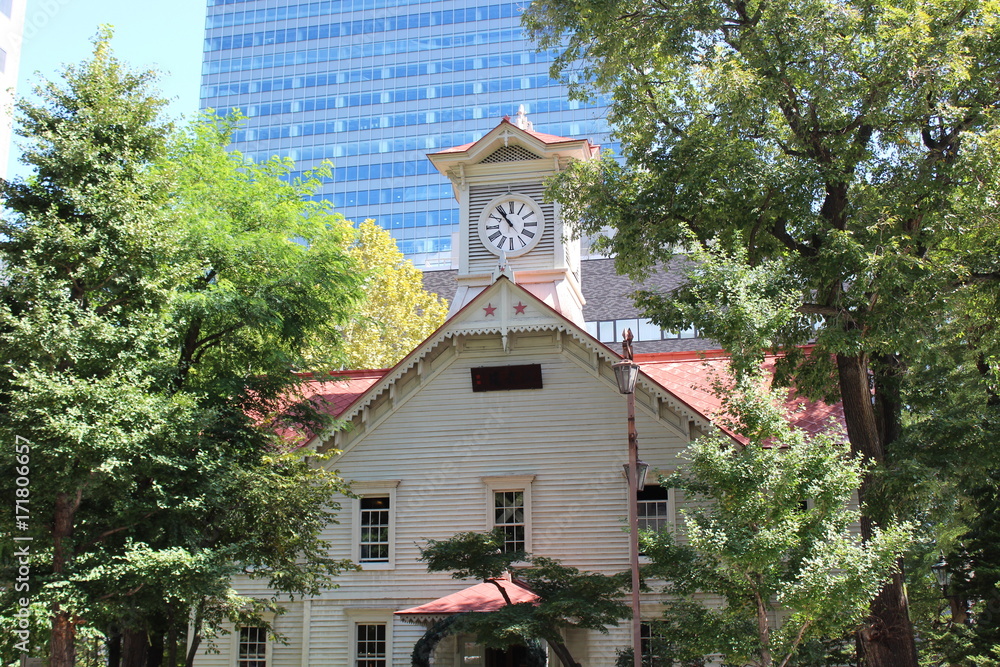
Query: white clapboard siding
pixel 442 440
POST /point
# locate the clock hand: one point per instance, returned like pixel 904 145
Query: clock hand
pixel 504 216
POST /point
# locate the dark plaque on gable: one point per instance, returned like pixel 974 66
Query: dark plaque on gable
pixel 505 378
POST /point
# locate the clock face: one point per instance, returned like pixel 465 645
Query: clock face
pixel 512 224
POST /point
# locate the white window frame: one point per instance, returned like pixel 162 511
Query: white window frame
pixel 671 518
pixel 268 618
pixel 356 617
pixel 383 488
pixel 498 484
pixel 647 638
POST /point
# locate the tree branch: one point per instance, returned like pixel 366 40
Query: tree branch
pixel 828 311
pixel 109 533
pixel 780 232
pixel 798 640
pixel 503 592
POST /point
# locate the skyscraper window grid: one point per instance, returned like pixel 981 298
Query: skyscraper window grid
pixel 375 85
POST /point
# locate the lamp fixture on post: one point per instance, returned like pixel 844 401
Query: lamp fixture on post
pixel 640 482
pixel 626 372
pixel 959 610
pixel 941 573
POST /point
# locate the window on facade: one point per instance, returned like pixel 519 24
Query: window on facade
pixel 370 648
pixel 7 7
pixel 611 331
pixel 508 514
pixel 647 641
pixel 507 378
pixel 374 539
pixel 252 650
pixel 654 511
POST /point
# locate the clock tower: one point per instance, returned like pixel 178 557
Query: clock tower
pixel 506 226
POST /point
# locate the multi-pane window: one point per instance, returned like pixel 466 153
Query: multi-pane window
pixel 648 637
pixel 370 647
pixel 252 651
pixel 611 331
pixel 508 514
pixel 654 510
pixel 374 539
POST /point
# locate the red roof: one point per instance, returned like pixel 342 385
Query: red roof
pixel 481 597
pixel 541 136
pixel 689 376
pixel 686 375
pixel 338 390
pixel 330 394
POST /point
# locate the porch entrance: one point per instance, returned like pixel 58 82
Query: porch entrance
pixel 515 656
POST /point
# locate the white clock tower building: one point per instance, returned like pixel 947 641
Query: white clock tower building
pixel 506 226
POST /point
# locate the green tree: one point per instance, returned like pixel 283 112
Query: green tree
pixel 843 154
pixel 396 314
pixel 768 527
pixel 86 281
pixel 157 296
pixel 948 481
pixel 567 597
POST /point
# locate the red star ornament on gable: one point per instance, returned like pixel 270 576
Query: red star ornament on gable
pixel 490 309
pixel 519 308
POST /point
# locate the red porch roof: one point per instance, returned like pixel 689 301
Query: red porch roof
pixel 481 597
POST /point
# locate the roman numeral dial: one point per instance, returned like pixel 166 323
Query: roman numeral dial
pixel 512 224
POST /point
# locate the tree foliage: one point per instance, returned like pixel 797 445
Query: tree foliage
pixel 769 528
pixel 157 294
pixel 395 315
pixel 567 596
pixel 838 159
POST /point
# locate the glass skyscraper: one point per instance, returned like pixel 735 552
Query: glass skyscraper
pixel 375 85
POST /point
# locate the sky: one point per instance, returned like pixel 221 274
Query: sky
pixel 165 35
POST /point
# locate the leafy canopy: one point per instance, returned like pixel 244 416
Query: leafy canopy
pixel 395 315
pixel 769 528
pixel 157 294
pixel 567 596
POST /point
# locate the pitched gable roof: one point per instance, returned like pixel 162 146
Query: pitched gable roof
pixel 687 375
pixel 336 391
pixel 681 380
pixel 506 124
pixel 481 316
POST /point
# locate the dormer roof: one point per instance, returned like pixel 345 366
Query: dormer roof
pixel 507 134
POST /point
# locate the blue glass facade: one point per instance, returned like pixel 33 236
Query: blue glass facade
pixel 375 85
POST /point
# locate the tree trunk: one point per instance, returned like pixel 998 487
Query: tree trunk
pixel 115 650
pixel 193 651
pixel 196 639
pixel 171 639
pixel 155 657
pixel 886 639
pixel 63 639
pixel 763 628
pixel 562 652
pixel 135 648
pixel 62 645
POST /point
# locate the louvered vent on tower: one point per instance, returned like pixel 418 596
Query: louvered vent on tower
pixel 510 154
